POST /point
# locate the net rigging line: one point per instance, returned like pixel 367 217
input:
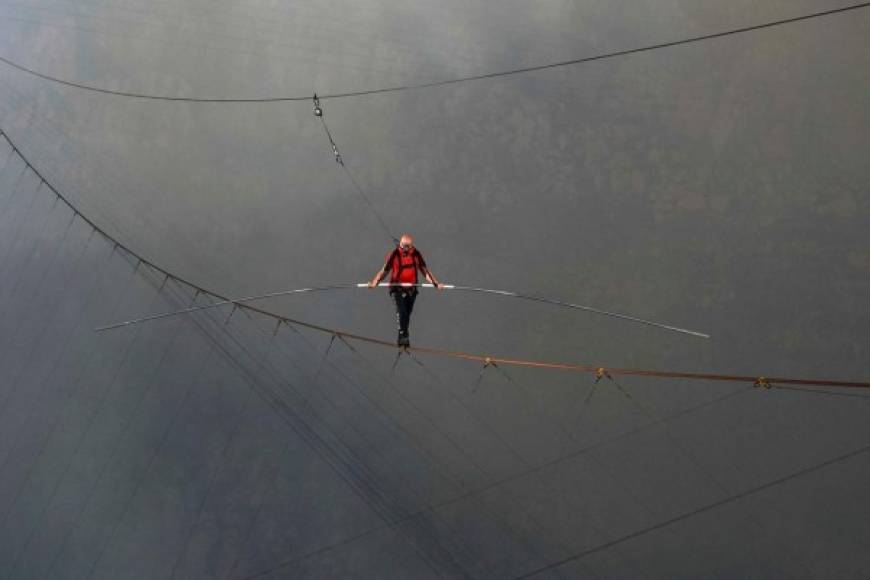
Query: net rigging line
pixel 687 515
pixel 340 458
pixel 455 287
pixel 318 112
pixel 760 381
pixel 757 380
pixel 445 82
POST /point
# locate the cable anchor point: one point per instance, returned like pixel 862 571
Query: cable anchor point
pixel 488 362
pixel 762 383
pixel 318 111
pixel 601 373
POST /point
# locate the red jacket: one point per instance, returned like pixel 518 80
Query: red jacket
pixel 403 266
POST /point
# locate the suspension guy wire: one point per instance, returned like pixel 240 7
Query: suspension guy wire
pixel 117 245
pixel 756 380
pixel 571 436
pixel 367 489
pixel 445 82
pixel 237 302
pixel 242 300
pixel 318 112
pixel 760 381
pixel 690 514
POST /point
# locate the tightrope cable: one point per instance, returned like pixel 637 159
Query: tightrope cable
pixel 505 293
pixel 453 81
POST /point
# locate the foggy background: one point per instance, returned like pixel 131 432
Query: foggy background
pixel 719 186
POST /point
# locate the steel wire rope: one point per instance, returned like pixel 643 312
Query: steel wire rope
pixel 25 308
pixel 36 247
pixel 306 397
pixel 89 294
pixel 318 445
pixel 560 492
pixel 605 468
pixel 311 437
pixel 381 376
pixel 357 385
pixel 318 112
pixel 758 380
pixel 85 364
pixel 505 480
pixel 419 362
pixel 526 466
pixel 510 479
pixel 489 428
pixel 359 478
pixel 452 81
pixel 527 396
pixel 215 474
pixel 337 456
pixel 585 368
pixel 91 421
pixel 106 463
pixel 447 287
pixel 395 425
pixel 682 375
pixel 505 526
pixel 712 506
pixel 11 212
pixel 644 506
pixel 820 392
pixel 457 481
pixel 577 421
pixel 33 349
pixel 360 390
pixel 13 191
pixel 96 209
pixel 21 222
pixel 23 267
pixel 163 439
pixel 654 417
pixel 398 428
pixel 9 155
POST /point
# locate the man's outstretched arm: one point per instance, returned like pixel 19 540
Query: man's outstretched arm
pixel 431 278
pixel 428 274
pixel 381 273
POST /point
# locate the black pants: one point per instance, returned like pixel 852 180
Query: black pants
pixel 404 307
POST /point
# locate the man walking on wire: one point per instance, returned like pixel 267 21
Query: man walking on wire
pixel 402 264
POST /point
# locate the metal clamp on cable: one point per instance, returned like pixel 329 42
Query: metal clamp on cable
pixel 762 383
pixel 318 112
pixel 600 373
